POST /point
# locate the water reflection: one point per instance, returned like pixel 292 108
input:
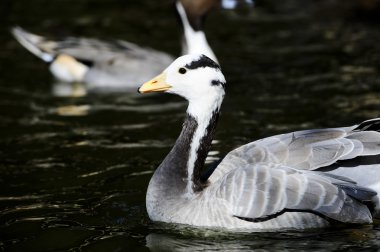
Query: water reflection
pixel 63 89
pixel 73 110
pixel 318 240
pixel 162 242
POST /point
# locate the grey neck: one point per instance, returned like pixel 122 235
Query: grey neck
pixel 172 175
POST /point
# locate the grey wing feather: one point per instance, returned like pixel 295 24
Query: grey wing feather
pixel 261 191
pixel 304 150
pixel 369 139
pixel 360 193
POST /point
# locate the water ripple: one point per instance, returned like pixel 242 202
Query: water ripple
pixel 23 197
pixel 115 167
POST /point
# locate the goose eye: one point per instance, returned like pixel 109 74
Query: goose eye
pixel 182 70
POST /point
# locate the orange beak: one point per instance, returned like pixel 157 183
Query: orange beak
pixel 157 84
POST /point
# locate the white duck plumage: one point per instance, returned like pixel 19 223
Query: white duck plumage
pixel 117 64
pixel 292 181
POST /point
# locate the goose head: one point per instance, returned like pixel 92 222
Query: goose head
pixel 198 79
pixel 195 77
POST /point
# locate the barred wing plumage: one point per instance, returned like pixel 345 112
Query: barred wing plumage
pixel 265 178
pixel 263 191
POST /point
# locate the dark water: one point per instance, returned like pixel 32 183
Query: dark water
pixel 74 169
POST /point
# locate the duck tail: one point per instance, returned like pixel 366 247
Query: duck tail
pixel 34 43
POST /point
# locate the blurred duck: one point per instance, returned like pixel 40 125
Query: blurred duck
pixel 303 179
pixel 117 64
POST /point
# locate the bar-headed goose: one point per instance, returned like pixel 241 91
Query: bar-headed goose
pixel 118 64
pixel 295 180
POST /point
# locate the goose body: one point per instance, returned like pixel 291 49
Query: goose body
pixel 112 64
pixel 292 181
